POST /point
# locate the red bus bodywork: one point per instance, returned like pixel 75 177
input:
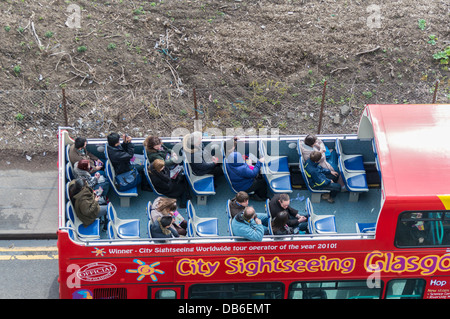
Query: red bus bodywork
pixel 414 158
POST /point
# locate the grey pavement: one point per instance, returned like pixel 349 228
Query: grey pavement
pixel 28 204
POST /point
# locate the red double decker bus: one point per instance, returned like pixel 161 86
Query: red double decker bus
pixel 387 237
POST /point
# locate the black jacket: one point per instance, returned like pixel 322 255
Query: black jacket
pixel 157 231
pixel 275 207
pixel 165 185
pixel 120 157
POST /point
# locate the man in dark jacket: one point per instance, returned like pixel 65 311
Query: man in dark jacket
pixel 120 154
pixel 321 178
pixel 281 202
pixel 238 203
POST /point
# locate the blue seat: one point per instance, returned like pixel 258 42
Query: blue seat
pixel 71 230
pixel 149 227
pixel 274 164
pixel 275 170
pixel 278 183
pixel 351 162
pixel 122 228
pixel 230 230
pixel 365 228
pixel 67 191
pixel 149 179
pixel 200 185
pixel 123 195
pixel 69 171
pixel 315 193
pixel 230 218
pixel 67 152
pixel 355 181
pixel 377 161
pixel 200 226
pixel 269 216
pixel 149 210
pixel 318 224
pixel 90 232
pixel 228 209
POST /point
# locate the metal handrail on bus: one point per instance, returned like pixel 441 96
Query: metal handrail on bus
pixel 225 239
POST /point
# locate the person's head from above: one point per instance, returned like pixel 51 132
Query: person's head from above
pixel 242 198
pixel 280 219
pixel 315 156
pixel 284 200
pixel 166 221
pixel 249 213
pixel 76 186
pixel 84 165
pixel 158 165
pixel 152 143
pixel 80 142
pixel 113 139
pixel 167 205
pixel 310 139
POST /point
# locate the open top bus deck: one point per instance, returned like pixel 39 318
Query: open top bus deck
pixel 400 175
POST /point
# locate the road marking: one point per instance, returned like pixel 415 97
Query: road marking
pixel 2 249
pixel 28 257
pixel 28 253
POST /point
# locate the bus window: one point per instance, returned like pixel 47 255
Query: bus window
pixel 423 229
pixel 237 291
pixel 165 292
pixel 405 289
pixel 333 290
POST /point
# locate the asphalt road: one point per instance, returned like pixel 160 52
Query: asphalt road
pixel 28 269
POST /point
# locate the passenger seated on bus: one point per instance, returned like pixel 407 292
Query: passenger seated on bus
pixel 163 206
pixel 200 161
pixel 279 224
pixel 157 150
pixel 86 203
pixel 410 232
pixel 312 143
pixel 238 203
pixel 322 178
pixel 162 228
pixel 121 154
pixel 177 187
pixel 250 225
pixel 97 182
pixel 243 178
pixel 78 151
pixel 281 202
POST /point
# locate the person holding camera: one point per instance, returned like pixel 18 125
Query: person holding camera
pixel 250 225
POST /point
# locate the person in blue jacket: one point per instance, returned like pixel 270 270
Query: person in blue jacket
pixel 243 178
pixel 321 178
pixel 250 225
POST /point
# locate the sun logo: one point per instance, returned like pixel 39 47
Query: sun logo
pixel 98 252
pixel 145 270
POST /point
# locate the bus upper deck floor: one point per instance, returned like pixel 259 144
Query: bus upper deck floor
pixel 351 217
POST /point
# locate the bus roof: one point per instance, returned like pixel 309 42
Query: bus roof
pixel 413 143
